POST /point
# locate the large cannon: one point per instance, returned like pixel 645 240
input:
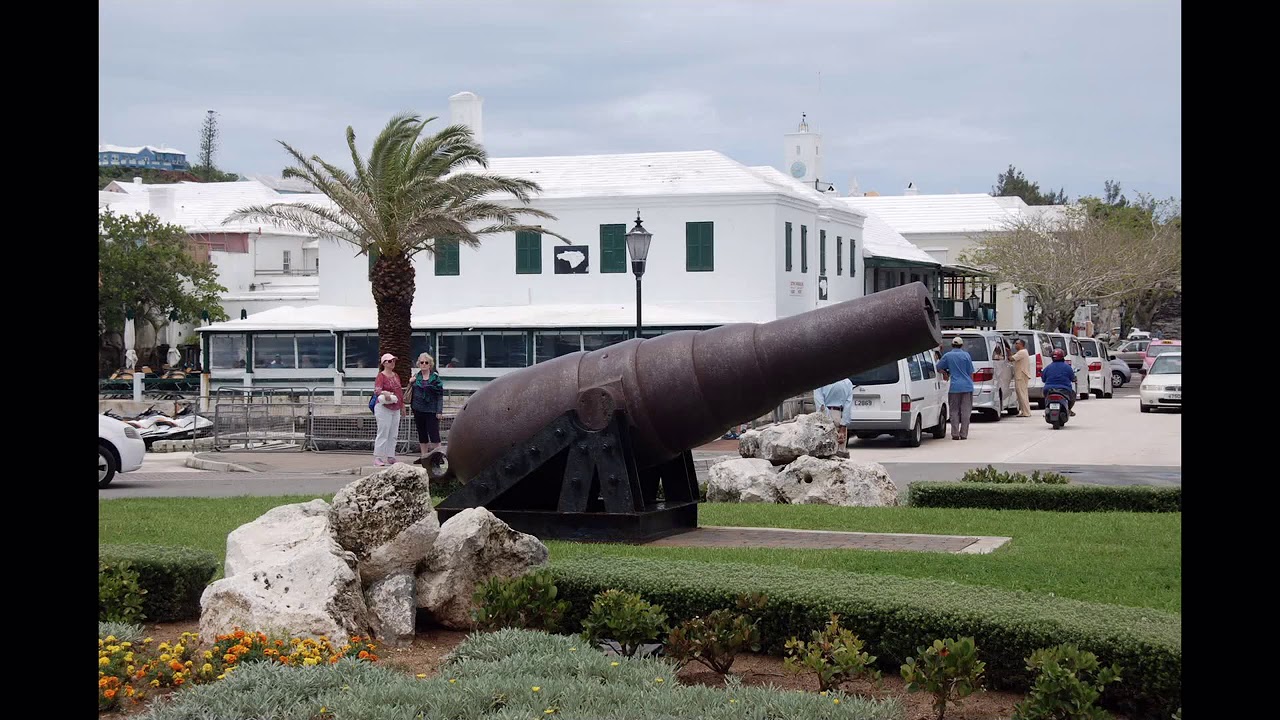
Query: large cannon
pixel 596 445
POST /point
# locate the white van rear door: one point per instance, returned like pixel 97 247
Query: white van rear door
pixel 877 393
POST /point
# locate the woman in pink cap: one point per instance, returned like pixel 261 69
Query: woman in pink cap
pixel 387 411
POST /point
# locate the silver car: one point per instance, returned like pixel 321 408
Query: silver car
pixel 993 393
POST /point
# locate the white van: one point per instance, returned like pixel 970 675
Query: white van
pixel 903 398
pixel 1070 344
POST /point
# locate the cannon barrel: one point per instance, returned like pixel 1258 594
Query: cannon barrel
pixel 685 388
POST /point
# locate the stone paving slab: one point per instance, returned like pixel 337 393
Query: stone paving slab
pixel 745 537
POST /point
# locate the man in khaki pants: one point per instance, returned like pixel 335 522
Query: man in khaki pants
pixel 1021 376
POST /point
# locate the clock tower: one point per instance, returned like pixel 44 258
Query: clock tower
pixel 802 153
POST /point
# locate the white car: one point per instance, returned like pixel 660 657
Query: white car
pixel 1100 378
pixel 903 398
pixel 993 391
pixel 120 449
pixel 1162 387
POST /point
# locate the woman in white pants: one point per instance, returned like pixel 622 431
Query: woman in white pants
pixel 387 411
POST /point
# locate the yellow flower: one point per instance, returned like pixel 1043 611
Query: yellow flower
pixel 658 680
pixel 165 657
pixel 126 643
pixel 104 661
pixel 155 683
pixel 453 680
pixel 208 654
pixel 222 676
pixel 731 700
pixel 614 664
pixel 420 675
pixel 537 689
pixel 549 711
pixel 309 662
pixel 206 668
pixel 324 709
pixel 573 649
pixel 111 638
pixel 823 693
pixel 836 701
pixel 146 641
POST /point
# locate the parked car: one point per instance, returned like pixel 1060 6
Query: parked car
pixel 1041 350
pixel 993 392
pixel 1099 367
pixel 1121 373
pixel 1070 344
pixel 903 398
pixel 1131 352
pixel 1162 387
pixel 120 449
pixel 1156 348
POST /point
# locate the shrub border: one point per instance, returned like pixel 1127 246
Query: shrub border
pixel 174 577
pixel 1038 496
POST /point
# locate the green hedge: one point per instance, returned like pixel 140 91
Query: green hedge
pixel 1061 498
pixel 895 615
pixel 174 577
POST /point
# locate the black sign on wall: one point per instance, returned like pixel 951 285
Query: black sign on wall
pixel 572 259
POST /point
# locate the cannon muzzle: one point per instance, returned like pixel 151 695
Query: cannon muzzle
pixel 683 389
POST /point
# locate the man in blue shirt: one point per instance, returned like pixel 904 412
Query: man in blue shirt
pixel 957 364
pixel 1058 375
pixel 837 400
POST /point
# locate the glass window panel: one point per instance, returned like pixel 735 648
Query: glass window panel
pixel 315 351
pixel 458 350
pixel 361 350
pixel 505 350
pixel 273 351
pixel 227 351
pixel 913 367
pixel 421 342
pixel 553 345
pixel 597 340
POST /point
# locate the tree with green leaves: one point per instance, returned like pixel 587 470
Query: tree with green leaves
pixel 412 194
pixel 1012 182
pixel 146 267
pixel 210 138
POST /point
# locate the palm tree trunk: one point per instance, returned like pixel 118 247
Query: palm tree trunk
pixel 393 286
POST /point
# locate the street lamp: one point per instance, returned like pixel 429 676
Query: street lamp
pixel 638 248
pixel 974 302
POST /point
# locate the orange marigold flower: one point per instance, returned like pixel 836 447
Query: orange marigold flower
pixel 334 660
pixel 229 658
pixel 175 665
pixel 108 694
pixel 238 634
pixel 363 654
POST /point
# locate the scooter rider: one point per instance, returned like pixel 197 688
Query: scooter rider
pixel 1058 375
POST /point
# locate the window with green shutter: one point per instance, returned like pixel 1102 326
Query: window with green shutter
pixel 839 255
pixel 822 252
pixel 613 248
pixel 853 257
pixel 804 248
pixel 788 247
pixel 528 252
pixel 699 247
pixel 446 254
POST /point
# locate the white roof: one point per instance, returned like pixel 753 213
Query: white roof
pixel 134 150
pixel 126 186
pixel 961 213
pixel 703 172
pixel 880 240
pixel 788 184
pixel 201 207
pixel 340 318
pixel 282 184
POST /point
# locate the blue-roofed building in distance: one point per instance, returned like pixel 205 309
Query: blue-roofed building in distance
pixel 146 156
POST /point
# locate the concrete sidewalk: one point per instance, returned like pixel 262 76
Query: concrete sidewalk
pixel 340 463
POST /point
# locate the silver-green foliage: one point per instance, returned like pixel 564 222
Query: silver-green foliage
pixel 123 632
pixel 493 676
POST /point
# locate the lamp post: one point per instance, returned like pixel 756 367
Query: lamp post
pixel 638 248
pixel 973 302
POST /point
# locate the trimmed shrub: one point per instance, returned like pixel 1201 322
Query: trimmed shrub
pixel 119 593
pixel 1067 686
pixel 989 474
pixel 528 601
pixel 625 618
pixel 1058 498
pixel 949 670
pixel 502 675
pixel 833 654
pixel 173 577
pixel 895 615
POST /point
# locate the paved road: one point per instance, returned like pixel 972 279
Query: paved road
pixel 1108 442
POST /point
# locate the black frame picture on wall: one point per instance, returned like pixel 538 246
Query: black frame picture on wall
pixel 564 259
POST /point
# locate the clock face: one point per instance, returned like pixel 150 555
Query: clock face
pixel 797 169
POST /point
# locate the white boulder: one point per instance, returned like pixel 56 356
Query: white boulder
pixel 472 547
pixel 818 481
pixel 392 610
pixel 743 480
pixel 811 434
pixel 386 519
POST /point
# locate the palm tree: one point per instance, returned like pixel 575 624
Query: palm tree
pixel 411 194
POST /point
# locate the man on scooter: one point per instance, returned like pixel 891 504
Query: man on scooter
pixel 1058 375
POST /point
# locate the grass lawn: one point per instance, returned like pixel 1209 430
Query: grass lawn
pixel 1118 558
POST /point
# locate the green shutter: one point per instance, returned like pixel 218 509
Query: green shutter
pixel 804 248
pixel 528 252
pixel 699 246
pixel 788 247
pixel 839 255
pixel 822 252
pixel 853 257
pixel 613 248
pixel 446 256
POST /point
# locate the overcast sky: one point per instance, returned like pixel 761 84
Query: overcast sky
pixel 946 93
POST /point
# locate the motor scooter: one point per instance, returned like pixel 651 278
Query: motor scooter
pixel 1057 407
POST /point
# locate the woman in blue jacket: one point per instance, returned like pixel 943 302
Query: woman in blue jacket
pixel 426 393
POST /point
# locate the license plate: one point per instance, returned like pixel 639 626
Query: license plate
pixel 862 403
pixel 1175 396
pixel 1055 406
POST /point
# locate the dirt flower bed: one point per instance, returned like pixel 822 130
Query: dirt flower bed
pixel 429 647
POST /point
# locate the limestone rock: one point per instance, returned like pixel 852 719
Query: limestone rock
pixel 743 480
pixel 392 609
pixel 811 434
pixel 387 520
pixel 277 534
pixel 818 481
pixel 472 547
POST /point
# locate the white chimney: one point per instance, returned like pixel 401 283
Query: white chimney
pixel 911 189
pixel 160 203
pixel 465 109
pixel 137 181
